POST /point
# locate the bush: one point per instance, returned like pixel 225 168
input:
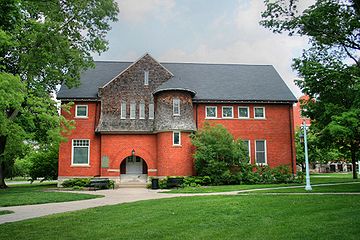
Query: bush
pixel 76 182
pixel 196 181
pixel 217 153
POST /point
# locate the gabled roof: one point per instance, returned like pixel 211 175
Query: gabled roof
pixel 209 82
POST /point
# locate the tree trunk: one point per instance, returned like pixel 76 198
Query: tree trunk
pixel 2 163
pixel 353 160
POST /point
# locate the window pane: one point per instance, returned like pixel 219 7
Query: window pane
pixel 176 140
pixel 211 112
pixel 81 111
pixel 243 112
pixel 176 106
pixel 260 157
pixel 227 112
pixel 151 111
pixel 260 146
pixel 246 143
pixel 142 110
pixel 259 112
pixel 81 155
pixel 146 77
pixel 132 110
pixel 123 110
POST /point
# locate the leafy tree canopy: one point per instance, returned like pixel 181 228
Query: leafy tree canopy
pixel 44 44
pixel 329 69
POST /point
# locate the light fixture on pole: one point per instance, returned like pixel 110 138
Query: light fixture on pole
pixel 303 139
pixel 133 155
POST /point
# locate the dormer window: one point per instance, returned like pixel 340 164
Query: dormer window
pixel 146 78
pixel 176 107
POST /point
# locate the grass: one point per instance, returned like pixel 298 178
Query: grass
pixel 3 212
pixel 315 179
pixel 26 194
pixel 207 217
pixel 345 188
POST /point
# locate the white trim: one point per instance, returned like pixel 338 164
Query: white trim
pixel 173 138
pixel 176 100
pixel 265 151
pixel 132 110
pixel 72 154
pixel 206 107
pixel 263 113
pixel 142 110
pixel 146 77
pixel 87 111
pixel 151 110
pixel 123 110
pixel 133 65
pixel 232 111
pixel 248 112
pixel 249 148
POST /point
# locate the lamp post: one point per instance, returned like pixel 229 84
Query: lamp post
pixel 304 138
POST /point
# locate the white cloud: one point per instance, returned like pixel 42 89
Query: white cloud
pixel 137 11
pixel 253 45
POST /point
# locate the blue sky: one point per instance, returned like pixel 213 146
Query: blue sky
pixel 214 31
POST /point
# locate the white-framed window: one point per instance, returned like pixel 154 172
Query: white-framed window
pixel 260 152
pixel 259 112
pixel 176 107
pixel 81 111
pixel 132 110
pixel 80 152
pixel 211 111
pixel 243 112
pixel 227 112
pixel 146 78
pixel 176 138
pixel 151 111
pixel 248 148
pixel 123 110
pixel 142 110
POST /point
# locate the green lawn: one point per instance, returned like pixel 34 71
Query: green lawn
pixel 210 217
pixel 348 188
pixel 315 179
pixel 3 212
pixel 24 194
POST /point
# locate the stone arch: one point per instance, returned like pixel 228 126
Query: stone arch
pixel 147 157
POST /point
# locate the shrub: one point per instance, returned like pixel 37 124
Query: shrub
pixel 282 174
pixel 78 182
pixel 196 181
pixel 217 152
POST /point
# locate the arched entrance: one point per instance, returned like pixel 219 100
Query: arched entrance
pixel 133 169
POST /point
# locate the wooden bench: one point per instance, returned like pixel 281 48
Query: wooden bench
pixel 174 182
pixel 99 183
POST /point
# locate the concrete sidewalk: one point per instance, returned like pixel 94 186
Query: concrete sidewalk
pixel 111 197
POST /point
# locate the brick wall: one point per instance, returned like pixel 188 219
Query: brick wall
pixel 174 160
pixel 84 130
pixel 276 129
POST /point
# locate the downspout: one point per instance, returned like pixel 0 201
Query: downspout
pixel 196 116
pixel 292 140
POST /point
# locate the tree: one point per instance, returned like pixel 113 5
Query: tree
pixel 330 68
pixel 317 152
pixel 217 152
pixel 44 44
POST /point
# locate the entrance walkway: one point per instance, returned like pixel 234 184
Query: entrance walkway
pixel 111 197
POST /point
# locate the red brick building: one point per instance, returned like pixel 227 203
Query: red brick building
pixel 133 120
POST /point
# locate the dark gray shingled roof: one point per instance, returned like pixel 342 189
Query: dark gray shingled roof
pixel 232 82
